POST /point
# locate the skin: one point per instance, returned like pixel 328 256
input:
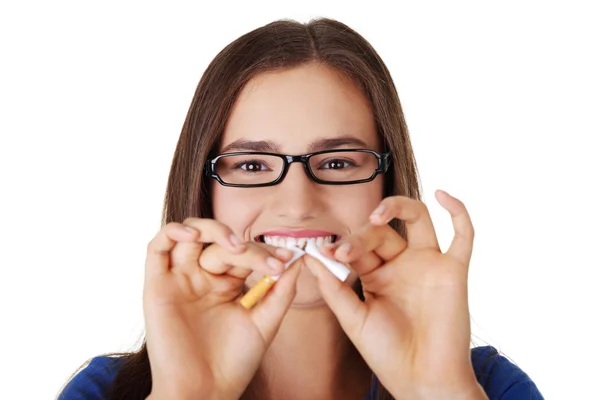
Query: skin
pixel 311 337
pixel 295 108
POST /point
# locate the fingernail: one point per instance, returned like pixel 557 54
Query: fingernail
pixel 236 242
pixel 378 211
pixel 190 229
pixel 346 248
pixel 274 264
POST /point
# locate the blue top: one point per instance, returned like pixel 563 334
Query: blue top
pixel 501 379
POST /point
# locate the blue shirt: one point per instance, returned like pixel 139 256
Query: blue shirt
pixel 500 379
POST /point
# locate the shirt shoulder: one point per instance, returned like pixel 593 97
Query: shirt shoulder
pixel 94 381
pixel 500 378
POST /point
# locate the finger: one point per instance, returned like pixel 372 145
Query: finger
pixel 184 256
pixel 212 231
pixel 339 296
pixel 268 313
pixel 461 247
pixel 257 257
pixel 360 259
pixel 419 227
pixel 160 247
pixel 368 248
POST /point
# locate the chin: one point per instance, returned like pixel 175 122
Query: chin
pixel 307 291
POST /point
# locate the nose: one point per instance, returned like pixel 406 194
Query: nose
pixel 297 197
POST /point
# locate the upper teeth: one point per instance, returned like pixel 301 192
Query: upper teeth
pixel 283 241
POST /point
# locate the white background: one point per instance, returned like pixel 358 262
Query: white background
pixel 502 104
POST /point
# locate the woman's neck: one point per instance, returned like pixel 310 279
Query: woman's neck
pixel 311 357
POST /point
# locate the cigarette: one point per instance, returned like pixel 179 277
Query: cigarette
pixel 257 291
pixel 338 269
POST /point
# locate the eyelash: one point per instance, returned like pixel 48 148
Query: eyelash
pixel 348 163
pixel 239 165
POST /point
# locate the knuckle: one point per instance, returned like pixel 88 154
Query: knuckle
pixel 466 231
pixel 171 226
pixel 168 230
pixel 208 255
pixel 150 246
pixel 190 221
pixel 153 244
pixel 421 209
pixel 471 230
pixel 391 201
pixel 460 203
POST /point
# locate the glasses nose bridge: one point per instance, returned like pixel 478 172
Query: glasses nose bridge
pixel 302 159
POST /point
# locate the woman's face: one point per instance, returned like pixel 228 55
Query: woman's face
pixel 294 110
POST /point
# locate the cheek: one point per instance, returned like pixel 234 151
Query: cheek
pixel 350 205
pixel 354 204
pixel 235 208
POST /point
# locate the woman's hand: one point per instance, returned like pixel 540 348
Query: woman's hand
pixel 413 330
pixel 201 342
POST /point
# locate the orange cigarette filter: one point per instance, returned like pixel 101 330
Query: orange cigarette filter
pixel 257 292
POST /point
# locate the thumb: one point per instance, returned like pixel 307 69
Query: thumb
pixel 350 311
pixel 269 312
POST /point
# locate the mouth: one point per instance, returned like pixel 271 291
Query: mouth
pixel 300 242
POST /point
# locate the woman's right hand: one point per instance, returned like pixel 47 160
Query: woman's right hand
pixel 201 342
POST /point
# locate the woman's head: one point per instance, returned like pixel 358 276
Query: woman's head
pixel 293 87
pixel 276 48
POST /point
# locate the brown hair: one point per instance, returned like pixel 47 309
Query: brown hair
pixel 279 45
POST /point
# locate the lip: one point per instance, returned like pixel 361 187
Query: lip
pixel 297 233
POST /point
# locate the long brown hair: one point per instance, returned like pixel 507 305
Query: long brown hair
pixel 279 45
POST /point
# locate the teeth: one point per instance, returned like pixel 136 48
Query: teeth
pixel 302 242
pixel 282 241
pixel 290 242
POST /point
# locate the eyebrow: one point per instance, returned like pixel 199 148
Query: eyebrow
pixel 269 146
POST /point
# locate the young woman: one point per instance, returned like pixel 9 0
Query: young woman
pixel 296 134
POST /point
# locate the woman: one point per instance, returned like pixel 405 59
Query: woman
pixel 397 327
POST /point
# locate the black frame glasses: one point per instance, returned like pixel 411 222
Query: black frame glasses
pixel 383 162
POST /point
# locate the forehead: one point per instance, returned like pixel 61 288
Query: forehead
pixel 299 106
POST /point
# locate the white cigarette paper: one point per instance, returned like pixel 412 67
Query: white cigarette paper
pixel 338 269
pixel 297 254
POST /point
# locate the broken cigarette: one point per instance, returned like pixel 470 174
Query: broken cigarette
pixel 337 268
pixel 257 291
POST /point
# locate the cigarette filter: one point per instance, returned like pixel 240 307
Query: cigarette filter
pixel 257 291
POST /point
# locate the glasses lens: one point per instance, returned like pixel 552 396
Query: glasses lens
pixel 249 169
pixel 344 166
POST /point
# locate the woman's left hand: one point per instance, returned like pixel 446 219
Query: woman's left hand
pixel 413 330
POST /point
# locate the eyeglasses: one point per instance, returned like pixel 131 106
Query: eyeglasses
pixel 330 167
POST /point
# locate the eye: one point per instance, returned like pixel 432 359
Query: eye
pixel 336 164
pixel 251 166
